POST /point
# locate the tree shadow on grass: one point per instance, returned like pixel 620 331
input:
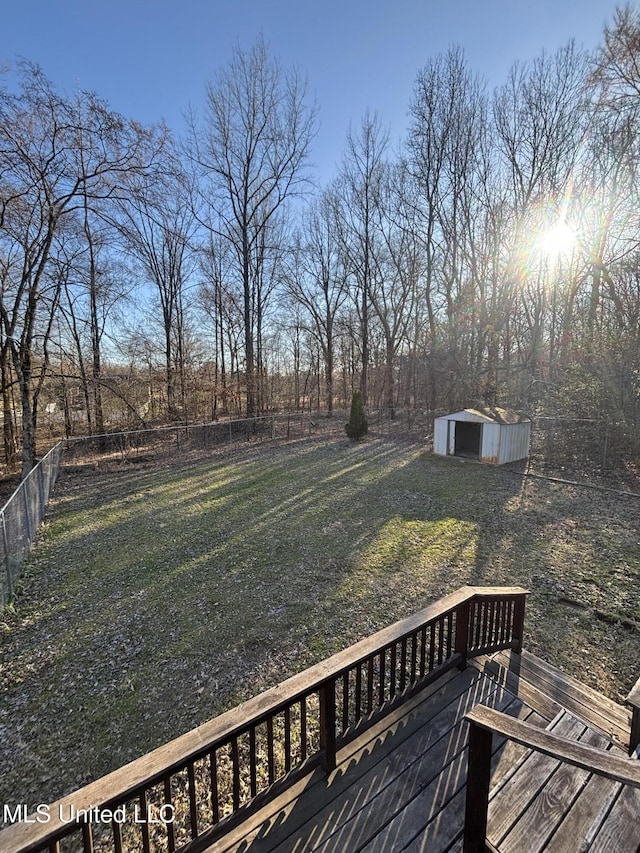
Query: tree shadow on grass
pixel 159 598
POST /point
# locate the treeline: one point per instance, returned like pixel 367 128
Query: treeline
pixel 493 259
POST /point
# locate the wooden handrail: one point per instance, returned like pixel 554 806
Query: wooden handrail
pixel 404 657
pixel 485 722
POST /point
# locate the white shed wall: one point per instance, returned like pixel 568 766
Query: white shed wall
pixel 440 433
pixel 490 447
pixel 501 443
pixel 514 442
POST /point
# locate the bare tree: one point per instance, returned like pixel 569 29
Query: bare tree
pixel 394 292
pixel 445 152
pixel 158 223
pixel 42 185
pixel 360 179
pixel 221 306
pixel 616 71
pixel 318 282
pixel 252 149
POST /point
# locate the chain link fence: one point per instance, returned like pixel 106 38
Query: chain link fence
pixel 586 450
pixel 22 515
pixel 148 445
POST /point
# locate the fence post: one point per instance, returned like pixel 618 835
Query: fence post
pixel 26 507
pixel 478 781
pixel 462 632
pixel 41 494
pixel 518 624
pixel 7 561
pixel 328 724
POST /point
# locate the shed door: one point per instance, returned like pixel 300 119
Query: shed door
pixel 468 438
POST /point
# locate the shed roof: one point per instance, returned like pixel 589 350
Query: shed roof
pixel 493 414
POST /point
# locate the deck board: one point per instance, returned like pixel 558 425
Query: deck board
pixel 505 806
pixel 586 815
pixel 620 831
pixel 537 825
pixel 400 785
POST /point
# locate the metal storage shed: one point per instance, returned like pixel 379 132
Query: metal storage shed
pixel 495 436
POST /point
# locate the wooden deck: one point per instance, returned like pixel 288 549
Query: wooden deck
pixel 401 785
pixel 434 733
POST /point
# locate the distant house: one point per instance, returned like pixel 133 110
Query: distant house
pixel 495 436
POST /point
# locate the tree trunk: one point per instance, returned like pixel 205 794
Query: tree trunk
pixel 8 424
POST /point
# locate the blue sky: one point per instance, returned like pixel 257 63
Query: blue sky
pixel 150 58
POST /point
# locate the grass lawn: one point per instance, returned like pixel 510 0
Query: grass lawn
pixel 159 596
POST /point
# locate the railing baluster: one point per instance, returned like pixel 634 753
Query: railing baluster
pixel 381 689
pixel 287 739
pixel 193 810
pixel 117 838
pixel 345 701
pixel 403 663
pixel 303 728
pixel 253 769
pixel 358 698
pixel 432 645
pixel 450 643
pixel 271 769
pixel 370 685
pixel 171 835
pixel 213 768
pixel 144 826
pixel 87 838
pixel 392 672
pixel 414 658
pixel 506 619
pixel 500 621
pixel 423 651
pixel 445 638
pixel 485 623
pixel 235 770
pixel 440 640
pixel 479 623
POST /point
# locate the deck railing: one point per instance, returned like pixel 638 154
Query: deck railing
pixel 484 723
pixel 191 790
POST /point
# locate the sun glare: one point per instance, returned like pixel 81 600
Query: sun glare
pixel 558 240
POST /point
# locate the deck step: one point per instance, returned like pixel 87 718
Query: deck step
pixel 549 689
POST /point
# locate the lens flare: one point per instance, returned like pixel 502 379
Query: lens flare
pixel 558 240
